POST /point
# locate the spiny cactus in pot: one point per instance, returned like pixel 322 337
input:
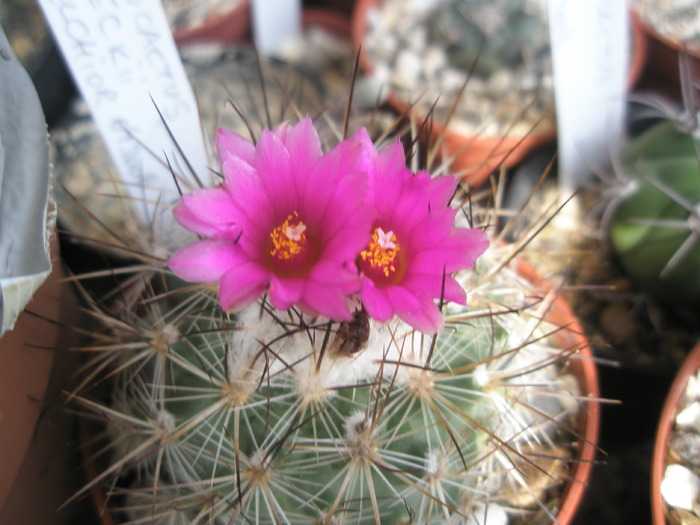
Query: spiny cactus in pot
pixel 654 219
pixel 345 340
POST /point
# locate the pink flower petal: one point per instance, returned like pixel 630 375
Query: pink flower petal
pixel 242 285
pixel 458 252
pixel 254 206
pixel 432 285
pixel 415 207
pixel 420 312
pixel 387 175
pixel 376 301
pixel 441 189
pixel 274 168
pixel 348 242
pixel 209 212
pixel 337 183
pixel 303 140
pixel 231 145
pixel 204 261
pixel 331 302
pixel 285 292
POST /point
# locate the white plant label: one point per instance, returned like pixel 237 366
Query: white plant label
pixel 590 56
pixel 275 24
pixel 124 60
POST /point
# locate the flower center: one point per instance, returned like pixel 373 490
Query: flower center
pixel 381 259
pixel 292 252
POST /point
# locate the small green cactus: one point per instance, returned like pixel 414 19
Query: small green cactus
pixel 655 226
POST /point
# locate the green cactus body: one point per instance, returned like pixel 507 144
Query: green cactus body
pixel 654 229
pixel 276 417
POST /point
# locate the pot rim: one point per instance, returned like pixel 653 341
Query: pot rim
pixel 690 365
pixel 583 365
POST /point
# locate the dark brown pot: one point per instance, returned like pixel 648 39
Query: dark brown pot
pixel 662 65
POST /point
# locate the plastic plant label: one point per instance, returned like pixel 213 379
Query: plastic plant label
pixel 590 55
pixel 275 23
pixel 25 224
pixel 125 63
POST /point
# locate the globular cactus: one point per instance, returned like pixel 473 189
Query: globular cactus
pixel 238 407
pixel 489 37
pixel 654 225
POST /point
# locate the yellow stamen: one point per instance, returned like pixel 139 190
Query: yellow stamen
pixel 381 252
pixel 289 238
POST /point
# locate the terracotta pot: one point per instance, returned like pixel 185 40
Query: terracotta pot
pixel 39 471
pixel 662 66
pixel 233 26
pixel 584 368
pixel 476 157
pixel 669 411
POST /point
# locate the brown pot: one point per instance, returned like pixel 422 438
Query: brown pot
pixel 476 157
pixel 659 509
pixel 584 368
pixel 39 471
pixel 233 26
pixel 662 66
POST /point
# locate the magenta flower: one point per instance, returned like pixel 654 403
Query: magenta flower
pixel 413 244
pixel 287 219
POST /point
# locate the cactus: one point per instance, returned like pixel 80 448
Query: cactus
pixel 276 417
pixel 488 37
pixel 226 405
pixel 655 226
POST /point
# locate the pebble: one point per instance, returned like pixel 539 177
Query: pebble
pixel 686 445
pixel 408 68
pixel 677 20
pixel 692 390
pixel 680 487
pixel 689 417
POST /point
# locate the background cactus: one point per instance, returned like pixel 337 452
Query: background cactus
pixel 655 225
